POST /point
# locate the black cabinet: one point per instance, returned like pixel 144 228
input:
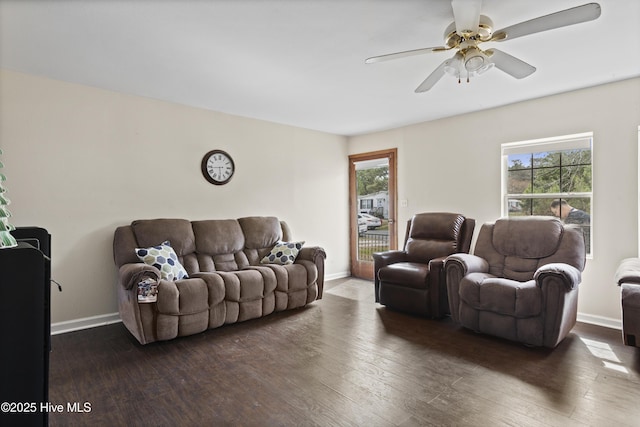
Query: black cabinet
pixel 25 328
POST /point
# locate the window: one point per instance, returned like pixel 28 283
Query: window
pixel 550 177
pixel 366 204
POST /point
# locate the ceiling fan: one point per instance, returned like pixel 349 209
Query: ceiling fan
pixel 470 28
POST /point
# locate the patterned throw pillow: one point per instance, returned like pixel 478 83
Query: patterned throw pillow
pixel 164 258
pixel 283 253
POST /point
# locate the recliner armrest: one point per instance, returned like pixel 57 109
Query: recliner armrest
pixel 569 275
pixel 628 271
pixel 131 274
pixel 456 266
pixel 438 288
pixel 382 259
pixel 437 263
pixel 469 263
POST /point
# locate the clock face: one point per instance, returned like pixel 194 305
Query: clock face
pixel 217 167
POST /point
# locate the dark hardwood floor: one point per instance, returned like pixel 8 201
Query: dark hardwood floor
pixel 344 361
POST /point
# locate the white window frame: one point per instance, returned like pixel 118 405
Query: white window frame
pixel 559 143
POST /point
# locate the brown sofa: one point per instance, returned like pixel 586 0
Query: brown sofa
pixel 521 282
pixel 227 282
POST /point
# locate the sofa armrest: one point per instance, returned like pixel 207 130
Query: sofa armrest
pixel 565 273
pixel 131 274
pixel 628 271
pixel 316 255
pixel 312 253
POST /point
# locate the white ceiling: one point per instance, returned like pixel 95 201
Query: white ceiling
pixel 301 62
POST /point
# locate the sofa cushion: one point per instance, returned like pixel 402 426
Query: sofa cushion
pixel 482 291
pixel 260 232
pixel 183 297
pixel 150 232
pixel 409 274
pixel 164 258
pixel 219 244
pixel 218 236
pixel 283 253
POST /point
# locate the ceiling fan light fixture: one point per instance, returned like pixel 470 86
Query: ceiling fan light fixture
pixel 453 66
pixel 486 67
pixel 474 60
pixel 474 63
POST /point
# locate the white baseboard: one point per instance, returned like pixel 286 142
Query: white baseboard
pixel 606 322
pixel 84 323
pixel 337 275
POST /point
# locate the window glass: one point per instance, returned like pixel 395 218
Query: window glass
pixel 519 181
pixel 550 177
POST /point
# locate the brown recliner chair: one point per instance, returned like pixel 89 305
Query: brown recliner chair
pixel 411 280
pixel 521 283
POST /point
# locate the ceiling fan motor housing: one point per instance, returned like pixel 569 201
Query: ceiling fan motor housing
pixel 484 33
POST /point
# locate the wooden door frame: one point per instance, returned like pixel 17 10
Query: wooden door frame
pixel 358 268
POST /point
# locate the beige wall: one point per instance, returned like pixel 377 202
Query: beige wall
pixel 81 161
pixel 453 164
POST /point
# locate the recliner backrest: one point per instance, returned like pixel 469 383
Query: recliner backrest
pixel 178 232
pixel 435 234
pixel 219 244
pixel 516 247
pixel 261 233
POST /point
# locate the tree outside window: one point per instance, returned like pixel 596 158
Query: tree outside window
pixel 550 177
pixel 372 180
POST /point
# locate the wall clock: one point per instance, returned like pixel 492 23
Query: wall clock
pixel 217 167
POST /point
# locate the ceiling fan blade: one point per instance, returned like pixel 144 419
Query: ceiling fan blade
pixel 510 64
pixel 575 15
pixel 405 53
pixel 433 78
pixel 466 14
